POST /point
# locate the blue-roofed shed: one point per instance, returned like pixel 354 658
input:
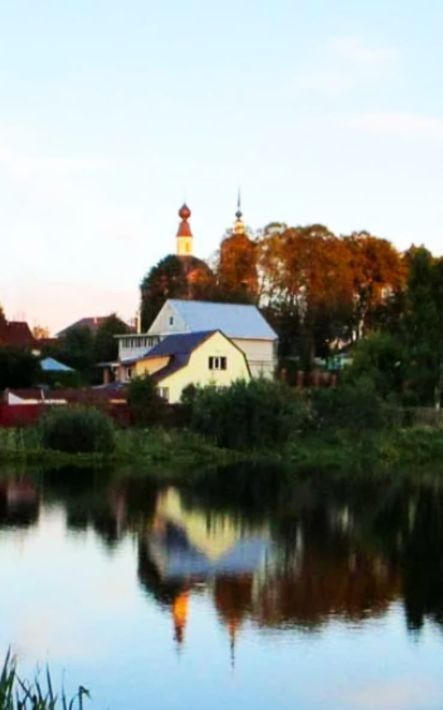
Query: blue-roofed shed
pixel 49 364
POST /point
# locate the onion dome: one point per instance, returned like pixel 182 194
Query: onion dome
pixel 184 228
pixel 184 211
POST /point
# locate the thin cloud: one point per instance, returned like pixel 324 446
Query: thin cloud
pixel 399 124
pixel 326 81
pixel 355 50
pixel 347 63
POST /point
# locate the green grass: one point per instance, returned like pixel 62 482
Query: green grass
pixel 19 694
pixel 183 451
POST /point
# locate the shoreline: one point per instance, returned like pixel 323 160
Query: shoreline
pixel 184 451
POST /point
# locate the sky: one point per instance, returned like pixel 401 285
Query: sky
pixel 112 113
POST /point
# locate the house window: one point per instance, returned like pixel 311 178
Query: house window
pixel 171 320
pixel 217 363
pixel 164 393
pixel 129 373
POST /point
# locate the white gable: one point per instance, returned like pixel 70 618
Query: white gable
pixel 169 320
pixel 236 320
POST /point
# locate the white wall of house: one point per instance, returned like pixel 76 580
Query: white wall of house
pixel 168 321
pixel 134 345
pixel 260 354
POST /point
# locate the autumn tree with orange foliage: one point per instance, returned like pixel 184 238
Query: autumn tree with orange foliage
pixel 306 288
pixel 236 272
pixel 378 272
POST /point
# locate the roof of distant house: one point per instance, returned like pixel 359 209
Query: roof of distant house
pixel 17 334
pixel 93 323
pixel 236 320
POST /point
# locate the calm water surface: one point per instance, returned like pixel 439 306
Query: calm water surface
pixel 313 594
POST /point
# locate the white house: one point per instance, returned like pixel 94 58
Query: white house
pixel 243 324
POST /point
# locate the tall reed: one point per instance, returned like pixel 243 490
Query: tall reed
pixel 19 694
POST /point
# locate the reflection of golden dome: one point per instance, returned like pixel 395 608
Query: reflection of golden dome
pixel 180 607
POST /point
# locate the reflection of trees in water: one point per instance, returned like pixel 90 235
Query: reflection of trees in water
pixel 344 548
pixel 341 548
pixel 19 502
pixel 412 523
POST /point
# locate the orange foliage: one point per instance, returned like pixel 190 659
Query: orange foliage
pixel 237 267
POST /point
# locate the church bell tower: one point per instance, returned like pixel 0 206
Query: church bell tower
pixel 184 233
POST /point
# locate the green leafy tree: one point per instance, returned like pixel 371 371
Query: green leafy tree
pixel 145 404
pixel 18 368
pixel 76 349
pixel 166 279
pixel 105 343
pixel 382 359
pixel 423 325
pixel 247 415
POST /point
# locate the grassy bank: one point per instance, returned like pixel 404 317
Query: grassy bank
pixel 132 446
pixel 183 450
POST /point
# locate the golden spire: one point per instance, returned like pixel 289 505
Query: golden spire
pixel 239 227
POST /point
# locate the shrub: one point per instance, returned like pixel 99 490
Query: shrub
pixel 248 415
pixel 355 407
pixel 77 430
pixel 145 404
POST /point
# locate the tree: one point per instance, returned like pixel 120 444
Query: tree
pixel 382 359
pixel 76 349
pixel 237 276
pixel 306 283
pixel 165 280
pixel 18 368
pixel 144 402
pixel 423 325
pixel 378 271
pixel 174 277
pixel 105 342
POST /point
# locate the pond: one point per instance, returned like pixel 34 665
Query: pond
pixel 251 589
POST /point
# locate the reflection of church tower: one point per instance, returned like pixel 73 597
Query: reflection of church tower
pixel 180 615
pixel 184 234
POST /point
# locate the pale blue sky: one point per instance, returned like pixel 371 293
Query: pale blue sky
pixel 110 112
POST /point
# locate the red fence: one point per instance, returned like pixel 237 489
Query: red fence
pixel 19 415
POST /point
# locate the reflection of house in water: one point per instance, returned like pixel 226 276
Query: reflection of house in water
pixel 192 545
pixel 19 503
pixel 185 548
pixel 314 571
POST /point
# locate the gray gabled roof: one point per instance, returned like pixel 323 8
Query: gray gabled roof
pixel 179 347
pixel 236 320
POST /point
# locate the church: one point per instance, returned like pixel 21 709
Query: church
pixel 192 341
